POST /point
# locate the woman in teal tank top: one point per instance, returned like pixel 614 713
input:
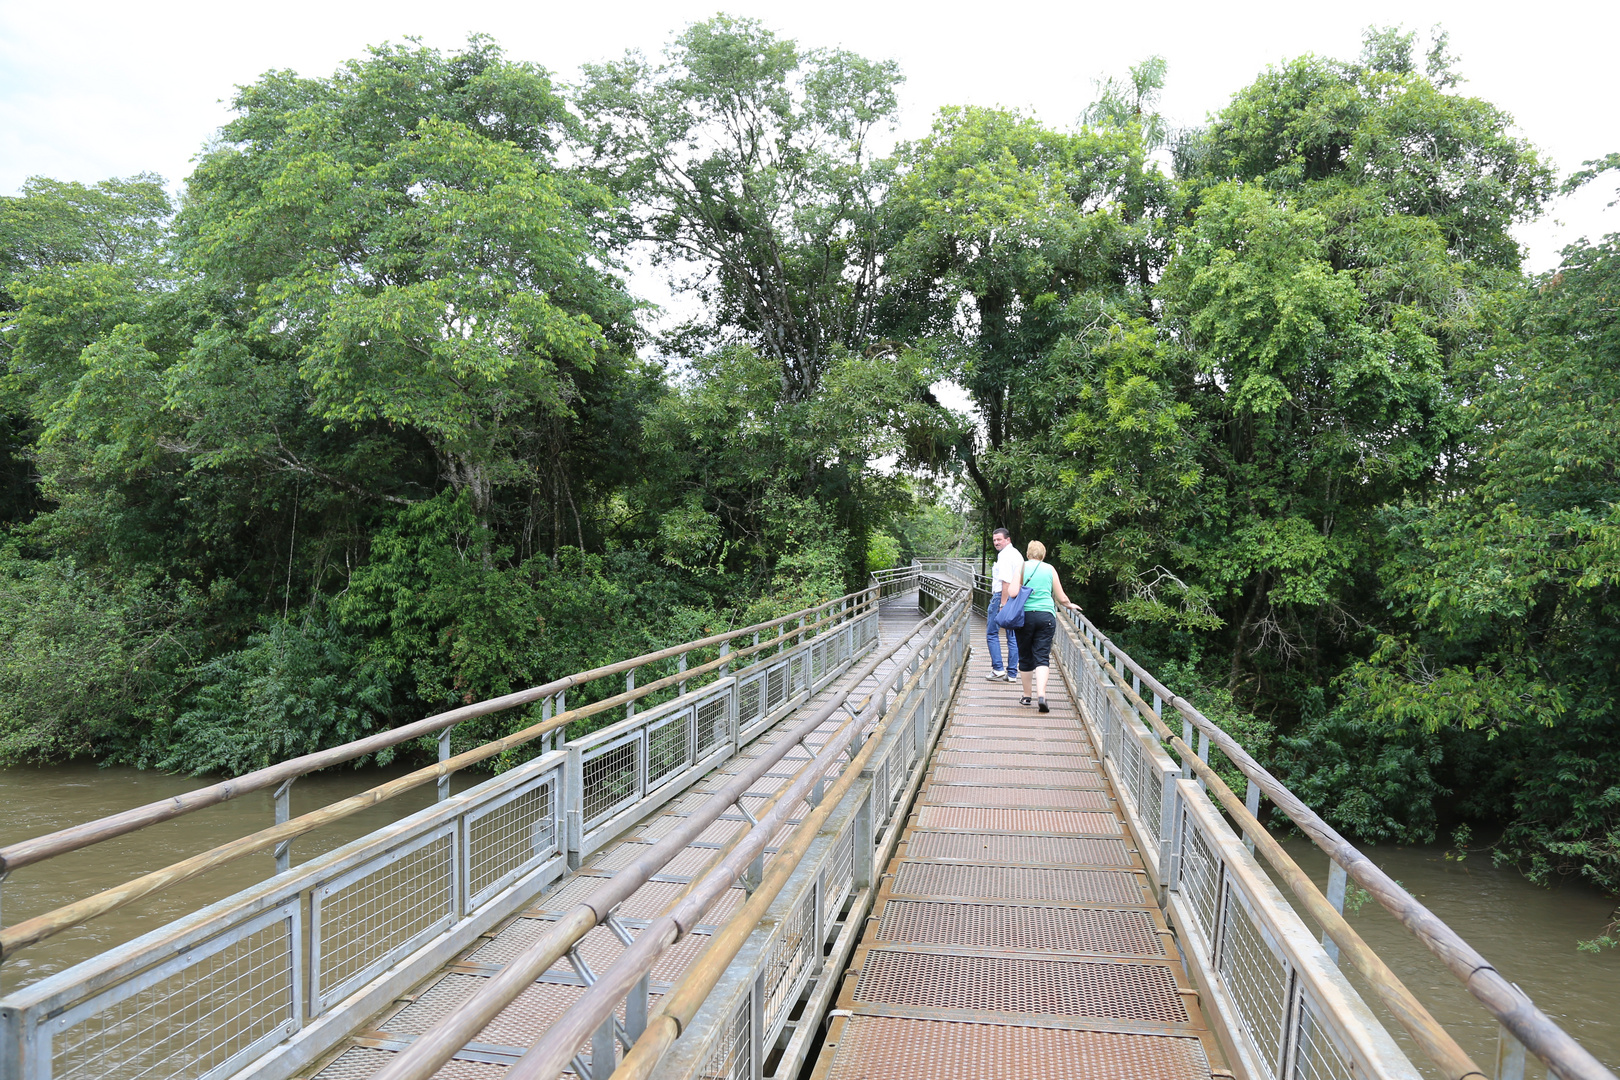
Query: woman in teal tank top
pixel 1040 622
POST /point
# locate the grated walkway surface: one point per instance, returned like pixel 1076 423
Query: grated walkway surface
pixel 510 1034
pixel 1015 935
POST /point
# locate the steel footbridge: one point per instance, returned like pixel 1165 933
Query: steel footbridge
pixel 806 848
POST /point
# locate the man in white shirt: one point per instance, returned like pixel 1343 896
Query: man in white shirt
pixel 1009 567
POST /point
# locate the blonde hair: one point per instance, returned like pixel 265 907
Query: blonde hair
pixel 1036 550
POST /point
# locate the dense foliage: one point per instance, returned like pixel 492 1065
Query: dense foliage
pixel 371 422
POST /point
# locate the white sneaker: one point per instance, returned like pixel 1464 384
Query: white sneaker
pixel 996 676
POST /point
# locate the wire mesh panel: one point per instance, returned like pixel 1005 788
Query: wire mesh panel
pixel 507 838
pixel 751 699
pixel 798 674
pixel 1317 1055
pixel 1200 876
pixel 729 1060
pixel 611 774
pixel 839 876
pixel 791 962
pixel 776 686
pixel 880 789
pixel 713 720
pixel 203 1014
pixel 669 746
pixel 1257 978
pixel 363 920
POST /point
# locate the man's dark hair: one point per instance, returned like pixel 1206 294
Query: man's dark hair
pixel 1000 530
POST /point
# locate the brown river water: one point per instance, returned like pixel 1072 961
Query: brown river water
pixel 1528 932
pixel 40 800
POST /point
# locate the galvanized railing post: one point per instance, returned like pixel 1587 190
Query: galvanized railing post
pixel 1167 830
pixel 865 842
pixel 1510 1057
pixel 725 651
pixel 629 688
pixel 756 1030
pixel 680 666
pixel 283 850
pixel 444 755
pixel 636 1007
pixel 1251 803
pixel 1335 896
pixel 573 795
pixel 604 1054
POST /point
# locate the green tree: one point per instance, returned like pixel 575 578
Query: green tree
pixel 1346 224
pixel 412 244
pixel 746 166
pixel 1014 234
pixel 1506 664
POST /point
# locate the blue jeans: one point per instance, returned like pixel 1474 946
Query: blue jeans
pixel 993 638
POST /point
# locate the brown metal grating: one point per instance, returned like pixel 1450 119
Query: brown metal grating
pixel 957 774
pixel 1032 798
pixel 1017 883
pixel 971 729
pixel 533 1011
pixel 1033 761
pixel 1038 821
pixel 1008 926
pixel 896 1048
pixel 1113 991
pixel 686 863
pixel 981 712
pixel 1005 848
pixel 971 744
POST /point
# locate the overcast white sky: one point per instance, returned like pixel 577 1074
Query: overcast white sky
pixel 96 89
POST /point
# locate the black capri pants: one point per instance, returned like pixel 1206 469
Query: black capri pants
pixel 1035 640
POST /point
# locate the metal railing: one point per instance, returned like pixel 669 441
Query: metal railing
pixel 752 1004
pixel 1285 1009
pixel 962 571
pixel 743 1029
pixel 843 753
pixel 280 972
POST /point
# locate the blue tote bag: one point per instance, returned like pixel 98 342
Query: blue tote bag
pixel 1011 614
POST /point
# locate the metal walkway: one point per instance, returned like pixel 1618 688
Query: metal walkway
pixel 1016 933
pixel 505 1039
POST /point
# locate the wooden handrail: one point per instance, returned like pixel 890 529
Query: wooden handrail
pixel 1516 1012
pixel 1429 1033
pixel 26 852
pixel 46 925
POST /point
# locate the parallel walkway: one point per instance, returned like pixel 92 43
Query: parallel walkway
pixel 1016 933
pixel 506 1038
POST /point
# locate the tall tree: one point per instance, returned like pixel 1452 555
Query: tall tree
pixel 402 231
pixel 1345 224
pixel 1014 234
pixel 747 166
pixel 1499 681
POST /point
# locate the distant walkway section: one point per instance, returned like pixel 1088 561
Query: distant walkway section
pixel 1016 933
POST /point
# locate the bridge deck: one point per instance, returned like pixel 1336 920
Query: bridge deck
pixel 526 1019
pixel 1015 934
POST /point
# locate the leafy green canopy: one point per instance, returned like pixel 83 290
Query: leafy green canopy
pixel 400 230
pixel 360 433
pixel 746 166
pixel 1501 679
